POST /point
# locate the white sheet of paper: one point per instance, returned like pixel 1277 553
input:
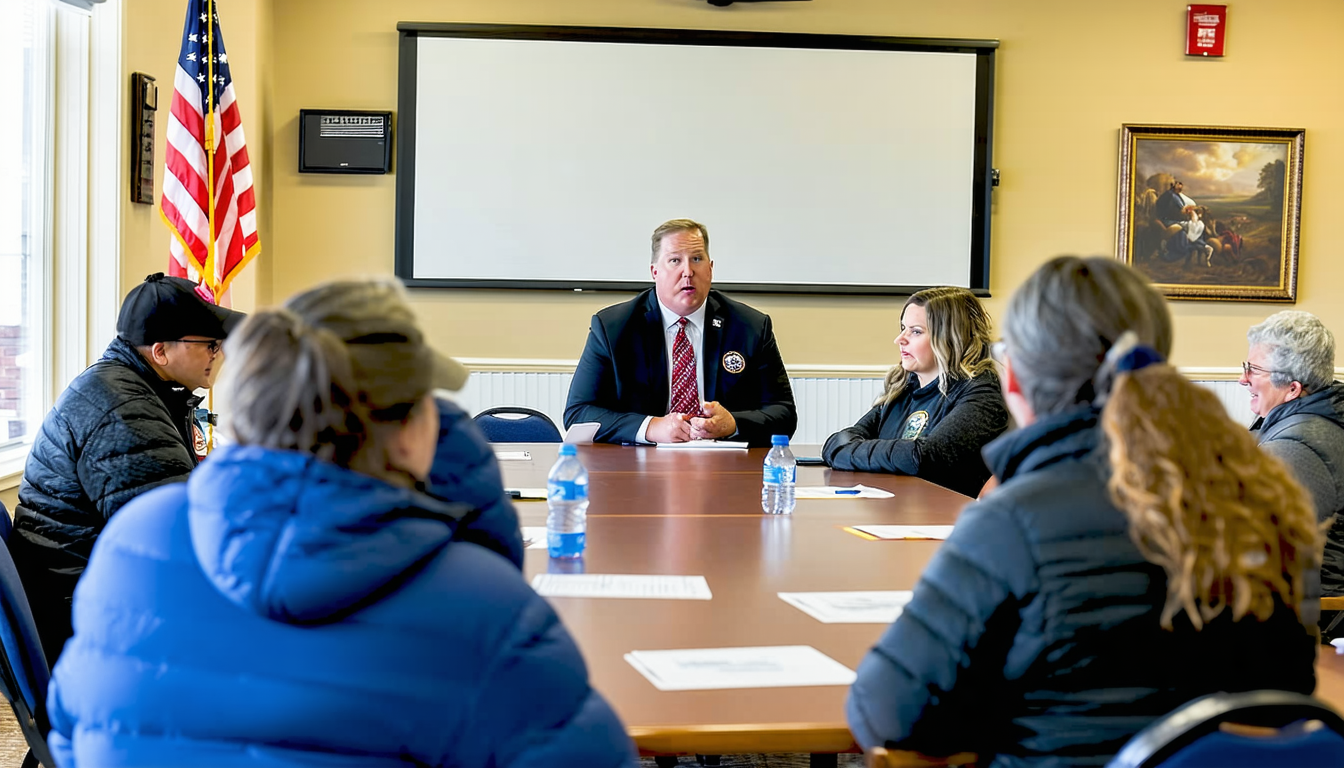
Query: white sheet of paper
pixel 850 607
pixel 534 537
pixel 906 531
pixel 840 492
pixel 641 586
pixel 513 455
pixel 582 433
pixel 703 445
pixel 704 669
pixel 527 494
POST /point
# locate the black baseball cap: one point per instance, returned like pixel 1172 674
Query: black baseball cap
pixel 168 308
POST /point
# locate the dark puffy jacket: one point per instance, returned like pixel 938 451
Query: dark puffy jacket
pixel 117 431
pixel 946 447
pixel 465 471
pixel 1307 434
pixel 277 608
pixel 1034 637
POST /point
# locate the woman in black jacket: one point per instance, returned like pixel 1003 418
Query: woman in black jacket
pixel 1139 552
pixel 942 402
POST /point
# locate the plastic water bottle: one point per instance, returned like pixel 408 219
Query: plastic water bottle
pixel 781 471
pixel 567 500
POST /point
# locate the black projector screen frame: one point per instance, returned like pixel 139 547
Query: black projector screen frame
pixel 830 277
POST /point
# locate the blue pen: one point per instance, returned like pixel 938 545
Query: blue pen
pixel 851 491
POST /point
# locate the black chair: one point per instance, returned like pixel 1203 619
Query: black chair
pixel 24 674
pixel 515 424
pixel 1256 729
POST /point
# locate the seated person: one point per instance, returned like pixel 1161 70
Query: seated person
pixel 123 426
pixel 942 402
pixel 298 601
pixel 1140 551
pixel 1290 372
pixel 679 361
pixel 1191 238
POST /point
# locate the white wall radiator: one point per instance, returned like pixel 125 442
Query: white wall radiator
pixel 825 404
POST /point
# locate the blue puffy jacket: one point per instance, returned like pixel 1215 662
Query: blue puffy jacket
pixel 1034 635
pixel 278 610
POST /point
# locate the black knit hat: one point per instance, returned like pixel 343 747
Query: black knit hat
pixel 169 308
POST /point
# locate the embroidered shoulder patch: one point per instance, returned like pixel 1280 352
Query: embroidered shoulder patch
pixel 198 441
pixel 915 425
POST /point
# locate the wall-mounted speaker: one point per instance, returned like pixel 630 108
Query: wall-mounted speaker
pixel 344 141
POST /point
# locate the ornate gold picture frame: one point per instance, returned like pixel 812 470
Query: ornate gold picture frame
pixel 1212 212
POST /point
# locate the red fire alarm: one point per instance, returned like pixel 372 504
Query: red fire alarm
pixel 1205 29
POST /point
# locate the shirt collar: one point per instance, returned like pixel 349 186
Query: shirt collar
pixel 696 318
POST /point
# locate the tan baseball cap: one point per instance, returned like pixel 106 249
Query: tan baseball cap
pixel 392 361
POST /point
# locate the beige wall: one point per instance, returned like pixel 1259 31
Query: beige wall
pixel 10 498
pixel 1069 74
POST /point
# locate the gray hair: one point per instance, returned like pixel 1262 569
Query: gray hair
pixel 673 226
pixel 1062 321
pixel 1298 347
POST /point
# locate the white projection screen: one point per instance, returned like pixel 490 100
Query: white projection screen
pixel 543 157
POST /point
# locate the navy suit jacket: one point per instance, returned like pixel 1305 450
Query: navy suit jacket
pixel 623 377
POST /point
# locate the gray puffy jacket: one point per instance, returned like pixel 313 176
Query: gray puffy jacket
pixel 1307 434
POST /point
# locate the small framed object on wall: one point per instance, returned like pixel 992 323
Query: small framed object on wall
pixel 1205 30
pixel 344 141
pixel 144 102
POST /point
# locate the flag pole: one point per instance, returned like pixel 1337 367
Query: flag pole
pixel 209 273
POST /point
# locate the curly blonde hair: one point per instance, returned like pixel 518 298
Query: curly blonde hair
pixel 960 334
pixel 1224 520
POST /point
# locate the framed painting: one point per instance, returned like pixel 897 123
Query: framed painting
pixel 1212 212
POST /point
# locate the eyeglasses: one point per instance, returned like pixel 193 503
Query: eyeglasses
pixel 1247 369
pixel 211 345
pixel 998 351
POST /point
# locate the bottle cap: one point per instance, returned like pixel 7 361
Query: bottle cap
pixel 779 439
pixel 568 449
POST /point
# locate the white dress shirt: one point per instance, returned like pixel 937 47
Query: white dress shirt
pixel 695 325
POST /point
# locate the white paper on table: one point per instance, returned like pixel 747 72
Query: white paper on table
pixel 703 445
pixel 1338 642
pixel 939 532
pixel 639 586
pixel 850 607
pixel 703 669
pixel 534 537
pixel 513 455
pixel 526 494
pixel 840 492
pixel 582 433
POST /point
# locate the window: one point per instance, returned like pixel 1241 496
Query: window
pixel 25 146
pixel 60 66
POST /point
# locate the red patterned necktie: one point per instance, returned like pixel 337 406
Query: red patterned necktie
pixel 685 397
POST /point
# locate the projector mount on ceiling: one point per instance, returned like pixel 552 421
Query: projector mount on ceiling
pixel 725 3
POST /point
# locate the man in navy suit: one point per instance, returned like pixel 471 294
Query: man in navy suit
pixel 625 380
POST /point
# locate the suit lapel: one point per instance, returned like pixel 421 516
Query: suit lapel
pixel 654 341
pixel 712 342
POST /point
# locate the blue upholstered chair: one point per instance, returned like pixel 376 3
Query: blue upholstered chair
pixel 515 424
pixel 24 674
pixel 1260 729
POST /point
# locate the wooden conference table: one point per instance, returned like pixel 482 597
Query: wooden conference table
pixel 679 512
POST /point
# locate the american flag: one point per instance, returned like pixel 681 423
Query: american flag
pixel 214 224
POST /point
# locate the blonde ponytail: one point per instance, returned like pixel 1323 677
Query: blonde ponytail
pixel 1224 520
